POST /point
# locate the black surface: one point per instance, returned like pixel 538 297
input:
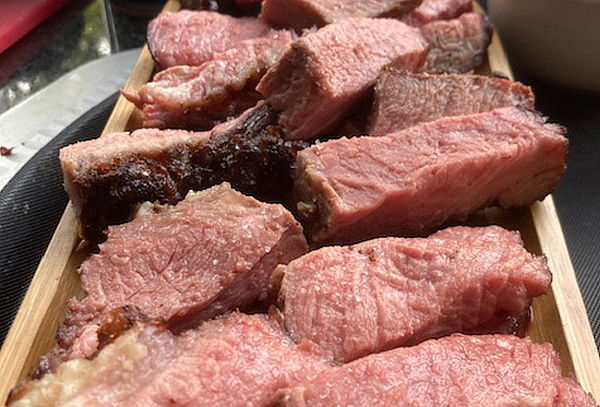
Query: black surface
pixel 31 205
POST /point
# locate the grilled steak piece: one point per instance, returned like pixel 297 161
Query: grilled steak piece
pixel 380 294
pixel 434 10
pixel 412 181
pixel 200 97
pixel 300 14
pixel 193 37
pixel 211 253
pixel 239 360
pixel 404 99
pixel 466 371
pixel 326 73
pixel 457 46
pixel 106 178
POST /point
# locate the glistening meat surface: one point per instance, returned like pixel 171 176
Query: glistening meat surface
pixel 434 10
pixel 380 294
pixel 404 99
pixel 301 14
pixel 326 73
pixel 412 181
pixel 193 37
pixel 211 253
pixel 236 361
pixel 466 371
pixel 200 97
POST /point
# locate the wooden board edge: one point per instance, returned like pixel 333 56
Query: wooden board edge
pixel 17 352
pixel 569 301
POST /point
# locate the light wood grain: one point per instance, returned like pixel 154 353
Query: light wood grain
pixel 559 316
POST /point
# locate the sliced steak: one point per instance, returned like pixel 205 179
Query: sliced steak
pixel 200 97
pixel 380 294
pixel 434 10
pixel 300 14
pixel 466 371
pixel 239 360
pixel 326 73
pixel 404 99
pixel 412 181
pixel 211 253
pixel 457 46
pixel 108 177
pixel 193 37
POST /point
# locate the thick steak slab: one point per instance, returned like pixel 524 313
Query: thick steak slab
pixel 434 10
pixel 466 371
pixel 193 37
pixel 106 178
pixel 380 294
pixel 209 254
pixel 457 46
pixel 200 97
pixel 414 180
pixel 236 361
pixel 326 73
pixel 404 99
pixel 300 14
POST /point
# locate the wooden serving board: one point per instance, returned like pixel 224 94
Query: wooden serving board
pixel 559 317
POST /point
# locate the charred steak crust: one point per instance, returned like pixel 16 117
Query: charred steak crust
pixel 252 155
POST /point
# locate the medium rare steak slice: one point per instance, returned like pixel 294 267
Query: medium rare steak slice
pixel 404 99
pixel 239 360
pixel 457 46
pixel 300 14
pixel 108 177
pixel 412 181
pixel 193 37
pixel 380 294
pixel 434 10
pixel 466 371
pixel 326 73
pixel 211 253
pixel 200 97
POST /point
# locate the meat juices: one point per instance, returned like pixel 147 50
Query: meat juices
pixel 236 361
pixel 326 73
pixel 466 371
pixel 209 254
pixel 457 46
pixel 107 177
pixel 434 10
pixel 409 182
pixel 301 14
pixel 200 97
pixel 193 37
pixel 380 294
pixel 404 99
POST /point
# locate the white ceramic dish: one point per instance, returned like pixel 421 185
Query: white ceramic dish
pixel 556 40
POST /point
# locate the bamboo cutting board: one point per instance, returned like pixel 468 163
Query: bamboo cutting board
pixel 558 317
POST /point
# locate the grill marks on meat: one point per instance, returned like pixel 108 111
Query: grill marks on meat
pixel 199 97
pixel 404 99
pixel 411 181
pixel 106 178
pixel 380 294
pixel 301 14
pixel 326 73
pixel 457 46
pixel 239 360
pixel 434 10
pixel 469 371
pixel 211 253
pixel 194 37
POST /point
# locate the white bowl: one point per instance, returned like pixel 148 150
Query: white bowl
pixel 556 40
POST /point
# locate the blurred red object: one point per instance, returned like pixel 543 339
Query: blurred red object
pixel 19 17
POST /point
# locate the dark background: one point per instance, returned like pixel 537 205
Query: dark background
pixel 88 29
